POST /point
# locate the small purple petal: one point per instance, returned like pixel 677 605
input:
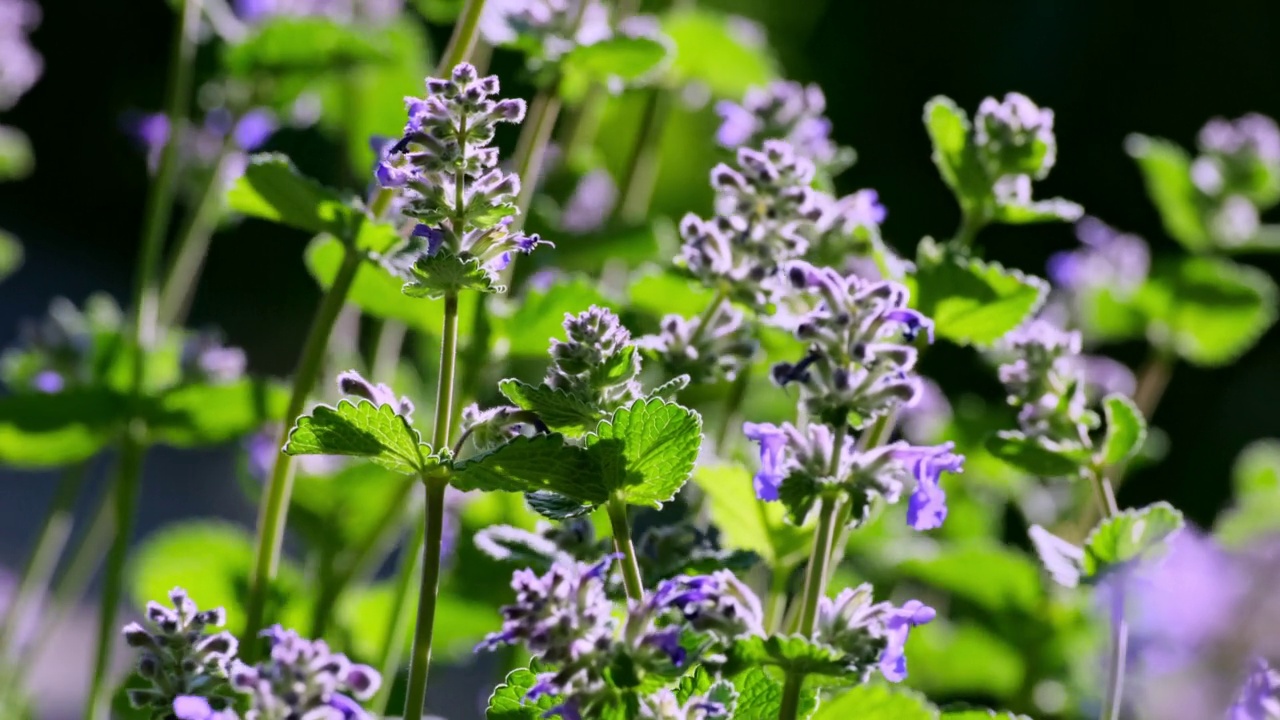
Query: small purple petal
pixel 254 129
pixel 191 707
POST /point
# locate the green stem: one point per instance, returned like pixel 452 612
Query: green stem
pixel 183 276
pixel 531 148
pixel 875 436
pixel 386 353
pixel 127 485
pixel 275 511
pixel 642 169
pixel 777 606
pixel 48 547
pixel 420 659
pixel 622 543
pixel 392 646
pixel 1113 699
pixel 708 316
pixel 463 40
pixel 814 588
pixel 971 223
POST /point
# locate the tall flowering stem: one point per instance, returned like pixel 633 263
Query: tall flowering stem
pixel 1119 639
pixel 624 545
pixel 465 34
pixel 144 327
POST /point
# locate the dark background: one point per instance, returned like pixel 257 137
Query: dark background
pixel 1106 67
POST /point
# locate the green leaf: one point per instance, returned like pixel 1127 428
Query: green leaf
pixel 981 715
pixel 203 415
pixel 507 701
pixel 540 314
pixel 617 59
pixel 647 451
pixel 670 389
pixel 1208 311
pixel 791 653
pixel 301 45
pixel 39 430
pixel 964 659
pixel 10 254
pixel 210 559
pixel 999 579
pixel 972 301
pixel 340 511
pixel 1129 536
pixel 16 158
pixel 273 189
pixel 877 702
pixel 555 506
pixel 365 612
pixel 760 696
pixel 714 50
pixel 954 154
pixel 442 273
pixel 1126 430
pixel 560 411
pixel 1037 211
pixel 529 464
pixel 1166 170
pixel 1037 457
pixel 361 429
pixel 666 293
pixel 748 523
pixel 1255 511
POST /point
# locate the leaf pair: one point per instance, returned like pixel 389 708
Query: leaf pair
pixel 363 429
pixel 1117 541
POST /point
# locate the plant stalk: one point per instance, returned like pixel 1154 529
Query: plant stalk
pixel 622 542
pixel 275 511
pixel 642 168
pixel 1113 700
pixel 463 40
pixel 531 149
pixel 393 641
pixel 815 582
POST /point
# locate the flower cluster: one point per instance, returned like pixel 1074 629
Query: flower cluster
pixel 545 29
pixel 447 170
pixel 1260 698
pixel 597 362
pixel 1107 260
pixel 206 359
pixel 799 465
pixel 1042 374
pixel 352 383
pixel 766 212
pixel 565 619
pixel 784 110
pixel 493 427
pixel 201 145
pixel 1015 137
pixel 303 678
pixel 20 64
pixel 872 634
pixel 859 364
pixel 1238 172
pixel 707 348
pixel 178 656
pixel 664 705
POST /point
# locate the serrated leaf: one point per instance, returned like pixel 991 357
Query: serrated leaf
pixel 971 301
pixel 998 579
pixel 530 464
pixel 618 59
pixel 16 158
pixel 760 696
pixel 647 450
pixel 1166 171
pixel 876 702
pixel 701 683
pixel 1036 457
pixel 39 430
pixel 507 701
pixel 539 314
pixel 560 411
pixel 10 254
pixel 555 506
pixel 445 273
pixel 361 429
pixel 670 389
pixel 204 415
pixel 286 45
pixel 1037 211
pixel 954 154
pixel 791 653
pixel 748 523
pixel 714 50
pixel 1129 536
pixel 1063 560
pixel 1126 430
pixel 271 188
pixel 1209 311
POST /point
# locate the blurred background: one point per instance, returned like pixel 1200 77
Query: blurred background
pixel 1106 68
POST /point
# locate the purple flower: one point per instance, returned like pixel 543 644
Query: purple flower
pixel 352 383
pixel 1250 136
pixel 1260 698
pixel 786 111
pixel 591 203
pixel 773 470
pixel 191 707
pixel 433 236
pixel 1015 137
pixel 254 129
pixel 20 64
pixel 893 659
pixel 927 507
pixel 870 633
pixel 49 381
pixel 1107 260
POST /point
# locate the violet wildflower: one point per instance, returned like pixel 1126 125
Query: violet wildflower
pixel 591 204
pixel 859 364
pixel 493 427
pixel 789 111
pixel 1107 259
pixel 1239 161
pixel 544 29
pixel 374 12
pixel 766 212
pixel 178 656
pixel 717 352
pixel 664 705
pixel 1260 697
pixel 872 635
pixel 351 383
pixel 206 359
pixel 448 171
pixel 304 678
pixel 194 707
pixel 1015 137
pixel 1042 374
pixel 597 362
pixel 927 507
pixel 20 64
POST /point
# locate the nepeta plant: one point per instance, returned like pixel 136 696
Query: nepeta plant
pixel 639 484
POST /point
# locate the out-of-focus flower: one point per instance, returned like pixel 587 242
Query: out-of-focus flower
pixel 374 12
pixel 788 111
pixel 1107 259
pixel 870 634
pixel 1260 698
pixel 1042 372
pixel 717 352
pixel 304 678
pixel 20 64
pixel 591 203
pixel 545 29
pixel 1015 137
pixel 924 421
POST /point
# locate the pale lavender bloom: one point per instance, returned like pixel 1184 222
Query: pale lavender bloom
pixel 925 420
pixel 1251 136
pixel 352 383
pixel 591 203
pixel 786 111
pixel 773 464
pixel 1235 221
pixel 545 27
pixel 870 633
pixel 206 359
pixel 664 705
pixel 848 214
pixel 20 64
pixel 304 678
pixel 191 707
pixel 1015 138
pixel 49 381
pixel 1260 698
pixel 927 507
pixel 1107 259
pixel 371 11
pixel 254 129
pixel 1042 371
pixel 705 355
pixel 1103 376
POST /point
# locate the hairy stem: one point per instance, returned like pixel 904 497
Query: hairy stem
pixel 463 41
pixel 48 547
pixel 642 168
pixel 275 510
pixel 623 544
pixel 815 582
pixel 420 659
pixel 392 646
pixel 708 316
pixel 875 436
pixel 183 275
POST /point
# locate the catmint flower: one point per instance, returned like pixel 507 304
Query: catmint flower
pixel 1260 697
pixel 591 204
pixel 1240 158
pixel 544 29
pixel 375 12
pixel 178 656
pixel 859 364
pixel 1042 375
pixel 870 634
pixel 20 64
pixel 491 428
pixel 597 362
pixel 448 172
pixel 262 448
pixel 206 359
pixel 664 705
pixel 708 354
pixel 784 110
pixel 199 145
pixel 559 616
pixel 352 383
pixel 1015 137
pixel 303 678
pixel 718 603
pixel 766 212
pixel 1107 260
pixel 194 707
pixel 927 507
